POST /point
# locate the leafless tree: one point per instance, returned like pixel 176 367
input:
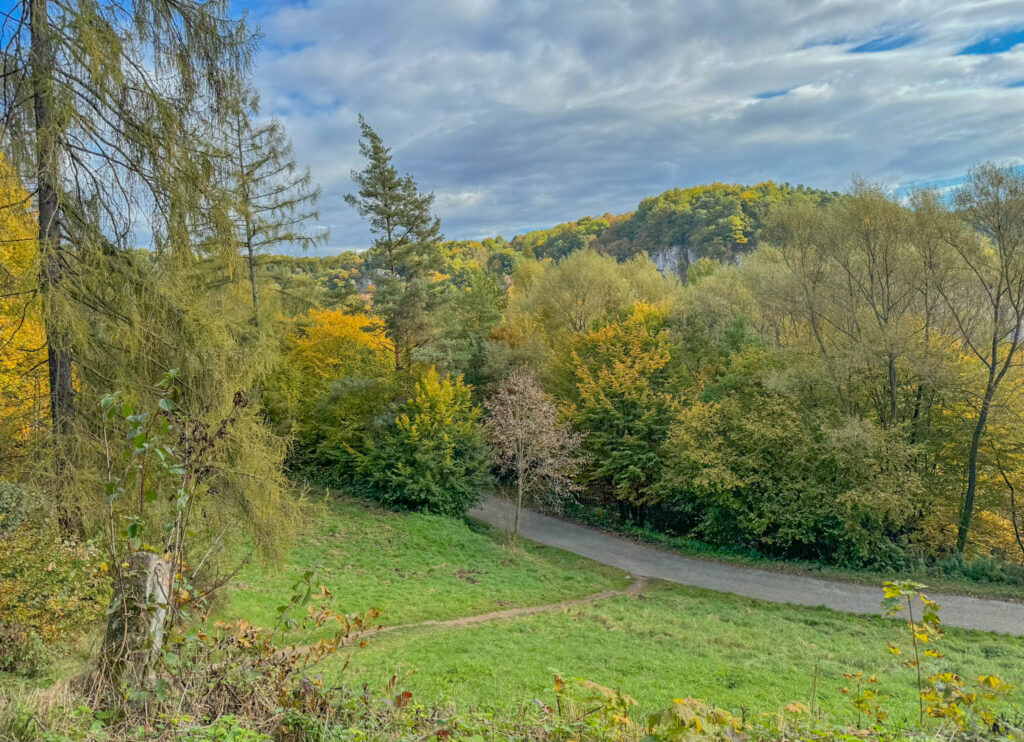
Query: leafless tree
pixel 530 444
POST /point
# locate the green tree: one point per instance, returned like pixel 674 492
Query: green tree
pixel 989 314
pixel 463 326
pixel 405 256
pixel 751 463
pixel 625 382
pixel 99 113
pixel 571 296
pixel 434 456
pixel 272 201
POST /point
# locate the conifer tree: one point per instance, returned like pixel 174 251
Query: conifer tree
pixel 99 106
pixel 272 199
pixel 405 254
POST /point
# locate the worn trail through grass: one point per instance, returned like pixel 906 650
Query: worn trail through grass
pixel 486 622
pixel 635 589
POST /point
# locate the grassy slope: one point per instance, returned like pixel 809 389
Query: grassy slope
pixel 415 567
pixel 677 641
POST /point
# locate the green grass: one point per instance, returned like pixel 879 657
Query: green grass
pixel 414 567
pixel 675 641
pixel 735 652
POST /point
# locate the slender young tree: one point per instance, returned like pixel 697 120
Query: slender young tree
pixel 97 112
pixel 273 200
pixel 405 253
pixel 987 303
pixel 530 444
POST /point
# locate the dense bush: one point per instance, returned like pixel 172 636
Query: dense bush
pixel 756 468
pixel 13 507
pixel 50 590
pixel 434 456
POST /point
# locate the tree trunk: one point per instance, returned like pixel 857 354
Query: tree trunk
pixel 248 227
pixel 255 286
pixel 520 473
pixel 892 391
pixel 519 507
pixel 134 640
pixel 972 472
pixel 59 358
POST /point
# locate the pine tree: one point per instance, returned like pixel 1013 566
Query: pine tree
pixel 405 254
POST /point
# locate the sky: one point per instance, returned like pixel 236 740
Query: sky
pixel 521 114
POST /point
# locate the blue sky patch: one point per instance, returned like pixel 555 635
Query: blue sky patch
pixel 884 44
pixel 770 94
pixel 996 43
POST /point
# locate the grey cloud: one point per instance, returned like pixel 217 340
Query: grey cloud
pixel 522 113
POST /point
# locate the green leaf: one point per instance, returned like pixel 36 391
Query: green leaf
pixel 166 404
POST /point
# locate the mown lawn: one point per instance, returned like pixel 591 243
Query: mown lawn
pixel 673 642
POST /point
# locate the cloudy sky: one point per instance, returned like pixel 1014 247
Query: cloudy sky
pixel 520 114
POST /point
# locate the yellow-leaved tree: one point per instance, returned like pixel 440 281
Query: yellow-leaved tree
pixel 334 379
pixel 24 388
pixel 335 343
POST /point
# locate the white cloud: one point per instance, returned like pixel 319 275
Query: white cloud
pixel 523 113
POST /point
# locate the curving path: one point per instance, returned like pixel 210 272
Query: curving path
pixel 634 589
pixel 642 560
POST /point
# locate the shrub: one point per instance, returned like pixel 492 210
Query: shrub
pixel 13 507
pixel 224 729
pixel 49 590
pixel 434 457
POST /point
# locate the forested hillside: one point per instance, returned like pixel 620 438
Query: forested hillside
pixel 816 389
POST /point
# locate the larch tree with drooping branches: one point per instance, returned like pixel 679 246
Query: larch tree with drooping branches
pixel 99 110
pixel 272 200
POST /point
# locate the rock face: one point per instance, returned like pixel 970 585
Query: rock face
pixel 674 259
pixel 135 631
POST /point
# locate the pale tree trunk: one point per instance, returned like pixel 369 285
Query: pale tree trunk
pixel 134 640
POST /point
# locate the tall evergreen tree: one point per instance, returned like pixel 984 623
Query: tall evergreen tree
pixel 405 254
pixel 98 113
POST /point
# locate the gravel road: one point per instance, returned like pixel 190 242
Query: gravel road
pixel 647 561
